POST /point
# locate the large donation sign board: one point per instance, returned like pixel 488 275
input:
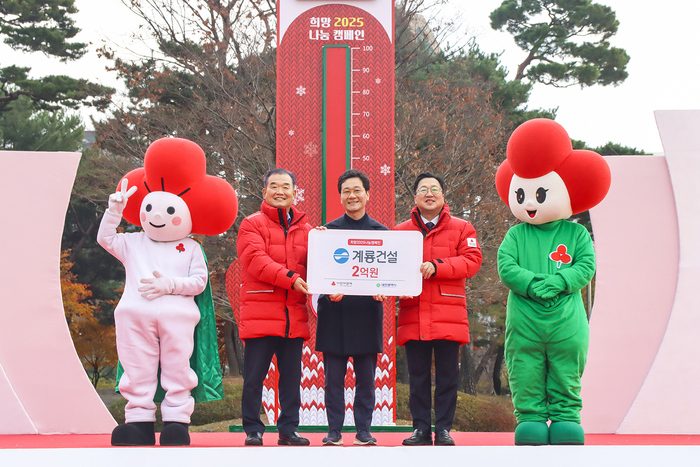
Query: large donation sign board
pixel 365 262
pixel 335 111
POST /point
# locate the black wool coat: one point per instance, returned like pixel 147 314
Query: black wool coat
pixel 355 324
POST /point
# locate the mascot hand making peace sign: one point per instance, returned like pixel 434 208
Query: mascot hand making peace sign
pixel 166 271
pixel 545 262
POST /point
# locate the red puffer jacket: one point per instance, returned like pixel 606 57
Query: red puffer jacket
pixel 440 311
pixel 273 256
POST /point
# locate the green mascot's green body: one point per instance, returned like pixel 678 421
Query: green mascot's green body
pixel 546 340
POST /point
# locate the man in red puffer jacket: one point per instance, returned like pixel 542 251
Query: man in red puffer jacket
pixel 272 245
pixel 437 318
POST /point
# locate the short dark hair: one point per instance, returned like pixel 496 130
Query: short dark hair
pixel 279 171
pixel 428 175
pixel 352 173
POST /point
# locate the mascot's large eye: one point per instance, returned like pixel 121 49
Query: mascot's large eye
pixel 520 195
pixel 148 208
pixel 541 195
pixel 171 210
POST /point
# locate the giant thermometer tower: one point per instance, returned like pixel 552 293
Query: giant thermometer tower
pixel 335 111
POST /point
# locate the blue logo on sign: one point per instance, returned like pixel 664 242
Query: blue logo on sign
pixel 341 255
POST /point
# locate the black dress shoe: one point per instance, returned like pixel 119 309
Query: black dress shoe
pixel 134 434
pixel 419 438
pixel 254 438
pixel 175 434
pixel 443 438
pixel 292 439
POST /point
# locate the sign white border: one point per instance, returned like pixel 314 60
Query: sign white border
pixel 329 272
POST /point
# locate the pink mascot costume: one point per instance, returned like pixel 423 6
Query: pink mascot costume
pixel 545 262
pixel 166 289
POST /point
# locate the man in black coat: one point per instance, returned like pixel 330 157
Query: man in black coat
pixel 351 326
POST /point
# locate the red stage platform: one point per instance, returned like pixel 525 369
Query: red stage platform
pixel 224 440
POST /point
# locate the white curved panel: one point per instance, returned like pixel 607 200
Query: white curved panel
pixel 668 401
pixel 636 241
pixel 36 351
pixel 13 416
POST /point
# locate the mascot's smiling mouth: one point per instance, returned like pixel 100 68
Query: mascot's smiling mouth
pixel 157 226
pixel 529 213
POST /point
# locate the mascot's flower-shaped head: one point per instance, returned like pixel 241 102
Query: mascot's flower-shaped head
pixel 544 179
pixel 175 196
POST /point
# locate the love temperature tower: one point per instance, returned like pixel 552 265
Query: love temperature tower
pixel 335 111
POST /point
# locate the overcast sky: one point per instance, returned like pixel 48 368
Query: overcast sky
pixel 661 37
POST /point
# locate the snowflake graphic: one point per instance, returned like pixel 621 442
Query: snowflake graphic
pixel 378 80
pixel 385 170
pixel 300 196
pixel 291 132
pixel 301 90
pixel 311 149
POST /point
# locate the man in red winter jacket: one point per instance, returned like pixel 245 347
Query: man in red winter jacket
pixel 436 320
pixel 272 245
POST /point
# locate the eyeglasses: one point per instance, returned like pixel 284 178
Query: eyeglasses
pixel 434 190
pixel 356 192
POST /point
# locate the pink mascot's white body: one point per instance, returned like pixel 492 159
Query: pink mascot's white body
pixel 171 197
pixel 156 331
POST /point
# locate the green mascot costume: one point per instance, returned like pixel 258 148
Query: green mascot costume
pixel 545 262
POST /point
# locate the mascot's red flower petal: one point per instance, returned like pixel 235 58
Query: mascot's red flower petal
pixel 178 166
pixel 539 147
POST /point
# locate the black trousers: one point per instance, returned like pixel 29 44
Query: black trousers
pixel 258 355
pixel 419 359
pixel 335 367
